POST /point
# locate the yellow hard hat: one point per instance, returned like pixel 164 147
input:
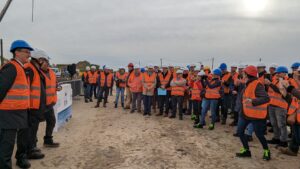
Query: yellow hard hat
pixel 206 68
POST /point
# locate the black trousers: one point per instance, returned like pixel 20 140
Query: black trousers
pixel 7 142
pixel 34 122
pixel 177 101
pixel 50 123
pixel 103 94
pixel 163 102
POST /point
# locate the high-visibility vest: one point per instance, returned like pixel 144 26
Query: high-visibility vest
pixel 235 75
pixel 51 95
pixel 261 79
pixel 17 97
pixel 209 75
pixel 178 90
pixel 196 90
pixel 85 74
pixel 294 83
pixel 213 93
pixel 225 78
pixel 149 80
pixel 250 111
pixel 121 77
pixel 35 88
pixel 295 108
pixel 135 82
pixel 109 79
pixel 276 98
pixel 92 77
pixel 165 80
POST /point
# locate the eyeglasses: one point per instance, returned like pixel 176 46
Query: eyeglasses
pixel 24 51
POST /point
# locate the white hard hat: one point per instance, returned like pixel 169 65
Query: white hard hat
pixel 37 54
pixel 122 67
pixel 185 69
pixel 107 67
pixel 87 68
pixel 164 66
pixel 93 67
pixel 197 69
pixel 192 65
pixel 170 65
pixel 261 64
pixel 242 66
pixel 150 66
pixel 274 65
pixel 179 71
pixel 234 65
pixel 201 73
pixel 177 67
pixel 136 66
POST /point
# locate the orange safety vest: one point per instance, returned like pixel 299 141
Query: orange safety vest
pixel 123 78
pixel 51 95
pixel 92 77
pixel 109 79
pixel 135 84
pixel 276 98
pixel 17 97
pixel 294 83
pixel 262 79
pixel 35 88
pixel 250 111
pixel 235 75
pixel 213 93
pixel 225 78
pixel 165 80
pixel 177 90
pixel 85 74
pixel 295 108
pixel 149 80
pixel 196 90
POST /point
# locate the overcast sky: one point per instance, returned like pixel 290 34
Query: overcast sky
pixel 115 32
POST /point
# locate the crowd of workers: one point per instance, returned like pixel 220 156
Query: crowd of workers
pixel 254 97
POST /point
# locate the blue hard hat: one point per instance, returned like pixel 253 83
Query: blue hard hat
pixel 295 65
pixel 20 44
pixel 223 66
pixel 143 70
pixel 217 72
pixel 282 69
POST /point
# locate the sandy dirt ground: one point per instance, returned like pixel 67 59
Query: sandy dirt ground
pixel 109 138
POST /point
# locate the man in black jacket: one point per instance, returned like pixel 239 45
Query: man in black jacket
pixel 14 121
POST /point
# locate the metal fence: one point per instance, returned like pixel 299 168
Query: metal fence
pixel 77 86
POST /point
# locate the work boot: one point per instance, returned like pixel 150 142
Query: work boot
pixel 211 127
pixel 282 144
pixel 273 141
pixel 35 149
pixel 235 135
pixel 48 142
pixel 35 155
pixel 97 105
pixel 199 126
pixel 86 100
pixel 116 105
pixel 91 100
pixel 244 153
pixel 132 111
pixel 123 105
pixel 267 155
pixel 223 121
pixel 193 117
pixel 159 114
pixel 287 151
pixel 172 117
pixel 104 104
pixel 23 163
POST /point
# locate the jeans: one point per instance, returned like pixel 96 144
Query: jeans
pixel 278 120
pixel 206 105
pixel 93 90
pixel 249 129
pixel 120 90
pixel 295 142
pixel 136 101
pixel 177 101
pixel 259 127
pixel 87 90
pixel 147 104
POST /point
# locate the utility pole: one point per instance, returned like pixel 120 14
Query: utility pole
pixel 259 59
pixel 32 10
pixel 4 9
pixel 160 62
pixel 1 54
pixel 212 63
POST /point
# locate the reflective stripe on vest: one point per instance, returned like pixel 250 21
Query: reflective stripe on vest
pixel 35 88
pixel 250 111
pixel 109 79
pixel 123 78
pixel 178 90
pixel 225 78
pixel 92 77
pixel 17 97
pixel 276 98
pixel 196 92
pixel 213 93
pixel 51 95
